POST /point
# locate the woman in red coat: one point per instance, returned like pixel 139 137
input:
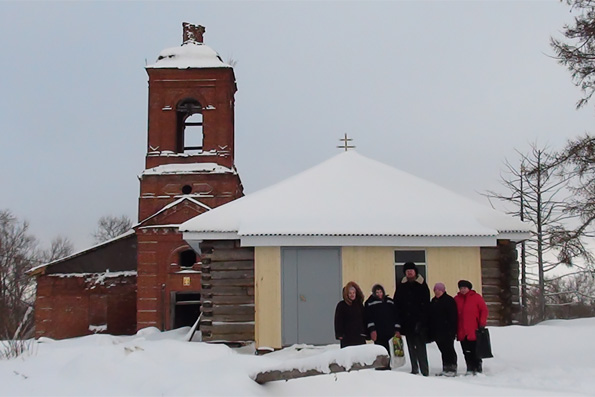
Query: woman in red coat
pixel 472 314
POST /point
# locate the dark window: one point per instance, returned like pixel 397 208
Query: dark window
pixel 190 126
pixel 186 189
pixel 416 256
pixel 186 309
pixel 187 258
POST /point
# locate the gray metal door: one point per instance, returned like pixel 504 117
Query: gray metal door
pixel 311 285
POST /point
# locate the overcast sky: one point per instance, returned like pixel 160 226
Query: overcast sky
pixel 442 90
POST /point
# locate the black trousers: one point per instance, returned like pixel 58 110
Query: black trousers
pixel 416 345
pixel 382 340
pixel 474 364
pixel 449 356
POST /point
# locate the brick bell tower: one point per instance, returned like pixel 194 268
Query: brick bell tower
pixel 189 170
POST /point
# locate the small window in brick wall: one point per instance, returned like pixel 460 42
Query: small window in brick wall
pixel 416 256
pixel 187 258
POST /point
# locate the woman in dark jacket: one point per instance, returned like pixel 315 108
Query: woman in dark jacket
pixel 443 327
pixel 349 317
pixel 381 318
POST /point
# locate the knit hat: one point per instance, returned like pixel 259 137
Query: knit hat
pixel 410 265
pixel 440 287
pixel 465 283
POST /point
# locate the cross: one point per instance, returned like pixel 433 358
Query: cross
pixel 345 145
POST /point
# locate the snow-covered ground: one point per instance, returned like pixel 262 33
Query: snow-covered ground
pixel 553 358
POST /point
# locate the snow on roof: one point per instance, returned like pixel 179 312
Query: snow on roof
pixel 192 168
pixel 352 195
pixel 189 55
pixel 168 206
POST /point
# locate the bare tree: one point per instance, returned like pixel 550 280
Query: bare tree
pixel 110 226
pixel 18 252
pixel 60 247
pixel 535 194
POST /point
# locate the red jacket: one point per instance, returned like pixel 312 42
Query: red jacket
pixel 473 313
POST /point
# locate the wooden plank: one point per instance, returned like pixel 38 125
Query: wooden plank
pixel 230 274
pixel 246 282
pixel 490 272
pixel 490 264
pixel 273 375
pixel 228 290
pixel 247 337
pixel 231 299
pixel 229 328
pixel 232 265
pixel 240 317
pixel 239 254
pixel 489 253
pixel 229 244
pixel 227 309
pixel 490 289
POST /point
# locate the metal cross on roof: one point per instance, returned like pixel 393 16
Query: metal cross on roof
pixel 345 145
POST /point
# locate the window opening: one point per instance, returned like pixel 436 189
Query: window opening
pixel 187 258
pixel 186 189
pixel 186 308
pixel 416 256
pixel 190 127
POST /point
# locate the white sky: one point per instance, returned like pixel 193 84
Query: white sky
pixel 442 90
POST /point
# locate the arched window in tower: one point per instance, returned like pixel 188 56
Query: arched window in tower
pixel 190 126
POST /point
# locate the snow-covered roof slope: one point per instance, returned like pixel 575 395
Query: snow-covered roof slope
pixel 189 55
pixel 352 196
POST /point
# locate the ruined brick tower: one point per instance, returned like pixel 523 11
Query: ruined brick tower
pixel 189 170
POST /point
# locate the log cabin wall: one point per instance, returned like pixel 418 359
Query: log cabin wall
pixel 227 297
pixel 500 282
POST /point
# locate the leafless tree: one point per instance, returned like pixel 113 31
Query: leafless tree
pixel 18 253
pixel 535 194
pixel 60 247
pixel 109 227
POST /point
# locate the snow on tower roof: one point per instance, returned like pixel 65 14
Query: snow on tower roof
pixel 190 168
pixel 189 55
pixel 353 200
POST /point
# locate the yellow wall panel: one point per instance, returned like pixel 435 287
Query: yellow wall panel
pixel 267 296
pixel 368 266
pixel 451 264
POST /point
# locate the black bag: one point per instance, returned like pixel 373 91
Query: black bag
pixel 484 346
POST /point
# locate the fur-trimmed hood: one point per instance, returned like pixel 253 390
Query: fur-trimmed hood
pixel 359 295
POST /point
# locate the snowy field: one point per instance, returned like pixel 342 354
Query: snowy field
pixel 553 358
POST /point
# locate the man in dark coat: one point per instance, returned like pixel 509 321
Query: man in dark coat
pixel 350 327
pixel 381 317
pixel 412 300
pixel 443 327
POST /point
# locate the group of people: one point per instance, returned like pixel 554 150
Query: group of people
pixel 417 317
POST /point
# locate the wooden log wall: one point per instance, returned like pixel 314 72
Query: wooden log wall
pixel 500 283
pixel 227 297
